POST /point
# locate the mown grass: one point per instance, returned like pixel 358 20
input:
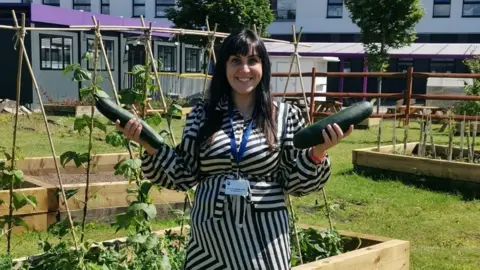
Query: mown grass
pixel 33 140
pixel 443 227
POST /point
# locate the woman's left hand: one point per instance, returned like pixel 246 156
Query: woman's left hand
pixel 336 135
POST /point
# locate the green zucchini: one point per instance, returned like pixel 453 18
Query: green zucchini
pixel 312 134
pixel 113 112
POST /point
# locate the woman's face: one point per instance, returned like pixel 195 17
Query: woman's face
pixel 244 73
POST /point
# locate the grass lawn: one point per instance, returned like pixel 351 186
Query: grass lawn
pixel 33 140
pixel 443 227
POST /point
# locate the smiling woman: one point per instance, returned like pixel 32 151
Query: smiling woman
pixel 237 149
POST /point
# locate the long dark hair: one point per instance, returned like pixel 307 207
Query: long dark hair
pixel 241 42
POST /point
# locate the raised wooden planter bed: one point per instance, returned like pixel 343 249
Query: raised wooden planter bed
pixel 438 168
pixel 374 252
pixel 108 193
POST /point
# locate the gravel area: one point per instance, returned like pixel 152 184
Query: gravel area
pixel 96 177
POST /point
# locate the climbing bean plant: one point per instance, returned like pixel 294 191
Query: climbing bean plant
pixel 143 248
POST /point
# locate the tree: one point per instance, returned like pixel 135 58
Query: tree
pixel 384 25
pixel 228 14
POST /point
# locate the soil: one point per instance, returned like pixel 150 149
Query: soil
pixel 96 177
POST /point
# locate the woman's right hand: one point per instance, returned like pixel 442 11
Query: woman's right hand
pixel 132 131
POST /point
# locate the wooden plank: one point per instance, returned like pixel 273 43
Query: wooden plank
pixel 39 192
pixel 420 166
pixel 40 165
pixel 108 214
pixel 114 194
pixel 390 255
pixel 35 222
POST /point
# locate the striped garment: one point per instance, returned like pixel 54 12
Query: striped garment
pixel 234 232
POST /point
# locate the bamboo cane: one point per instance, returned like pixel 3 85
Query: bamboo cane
pixel 211 51
pixel 157 80
pixel 52 147
pixel 394 133
pixel 20 35
pixel 462 135
pixel 432 143
pixel 293 56
pixel 107 63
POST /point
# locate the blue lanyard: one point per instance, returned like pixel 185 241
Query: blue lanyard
pixel 243 144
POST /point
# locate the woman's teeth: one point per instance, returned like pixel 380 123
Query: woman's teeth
pixel 244 79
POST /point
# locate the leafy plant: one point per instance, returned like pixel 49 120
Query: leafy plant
pixel 81 74
pixel 316 245
pixel 143 248
pixel 470 107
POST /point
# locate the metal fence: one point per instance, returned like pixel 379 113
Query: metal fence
pixel 188 85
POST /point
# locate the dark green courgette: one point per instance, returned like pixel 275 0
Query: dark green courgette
pixel 312 134
pixel 113 112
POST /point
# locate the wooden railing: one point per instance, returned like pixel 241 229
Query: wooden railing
pixel 406 95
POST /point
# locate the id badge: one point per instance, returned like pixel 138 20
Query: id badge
pixel 238 187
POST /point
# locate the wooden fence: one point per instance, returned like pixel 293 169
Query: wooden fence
pixel 406 95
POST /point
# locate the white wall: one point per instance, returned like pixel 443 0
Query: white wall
pixel 312 16
pixel 282 64
pixel 117 8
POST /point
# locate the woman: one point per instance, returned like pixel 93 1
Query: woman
pixel 237 150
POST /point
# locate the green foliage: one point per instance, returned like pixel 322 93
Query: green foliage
pixel 228 14
pixel 143 248
pixel 470 107
pixel 316 245
pixel 384 25
pixel 5 261
pixel 11 177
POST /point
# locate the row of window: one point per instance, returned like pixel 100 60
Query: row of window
pixel 436 65
pixel 441 9
pixel 56 54
pixel 138 6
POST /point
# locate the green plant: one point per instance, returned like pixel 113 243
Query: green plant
pixel 316 245
pixel 470 107
pixel 143 248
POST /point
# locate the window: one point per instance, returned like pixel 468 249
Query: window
pixel 55 52
pixel 84 5
pixel 138 8
pixel 105 7
pixel 161 5
pixel 109 49
pixel 335 9
pixel 167 56
pixel 52 2
pixel 284 10
pixel 442 65
pixel 285 14
pixel 441 8
pixel 192 60
pixel 471 8
pixel 403 64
